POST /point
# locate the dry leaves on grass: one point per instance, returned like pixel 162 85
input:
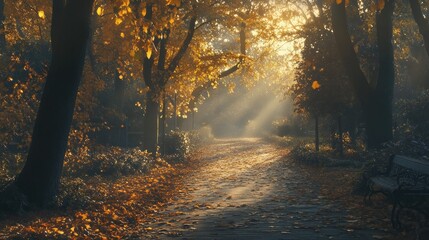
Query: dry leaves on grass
pixel 119 208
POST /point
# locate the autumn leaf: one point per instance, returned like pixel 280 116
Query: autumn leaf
pixel 118 21
pixel 145 29
pixel 174 2
pixel 380 5
pixel 315 85
pixel 41 14
pixel 149 53
pixel 100 11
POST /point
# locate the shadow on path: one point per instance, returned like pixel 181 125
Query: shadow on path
pixel 248 189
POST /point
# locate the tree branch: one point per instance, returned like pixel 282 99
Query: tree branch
pixel 179 55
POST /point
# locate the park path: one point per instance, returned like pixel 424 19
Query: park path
pixel 248 189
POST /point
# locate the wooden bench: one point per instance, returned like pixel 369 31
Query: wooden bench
pixel 406 183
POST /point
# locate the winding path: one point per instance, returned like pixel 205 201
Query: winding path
pixel 247 189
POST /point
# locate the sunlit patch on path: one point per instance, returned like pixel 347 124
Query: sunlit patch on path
pixel 248 189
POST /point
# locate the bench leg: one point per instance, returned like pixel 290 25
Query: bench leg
pixel 394 216
pixel 369 193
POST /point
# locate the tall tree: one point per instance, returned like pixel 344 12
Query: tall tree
pixel 2 30
pixel 421 21
pixel 376 101
pixel 39 179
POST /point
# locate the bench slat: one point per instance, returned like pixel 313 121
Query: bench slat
pixel 385 183
pixel 411 163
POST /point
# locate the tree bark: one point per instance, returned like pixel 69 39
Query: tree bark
pixel 316 134
pixel 151 123
pixel 2 29
pixel 347 52
pixel 379 116
pixel 421 21
pixel 376 103
pixel 39 179
pixel 163 120
pixel 340 136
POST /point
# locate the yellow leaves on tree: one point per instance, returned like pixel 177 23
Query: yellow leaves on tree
pixel 149 52
pixel 100 11
pixel 378 5
pixel 174 2
pixel 118 21
pixel 41 14
pixel 315 85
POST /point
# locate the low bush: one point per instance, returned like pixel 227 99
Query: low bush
pixel 177 145
pixel 201 136
pixel 73 193
pixel 108 161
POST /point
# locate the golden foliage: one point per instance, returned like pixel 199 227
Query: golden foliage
pixel 100 11
pixel 315 85
pixel 41 14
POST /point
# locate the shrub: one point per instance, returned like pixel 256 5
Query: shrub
pixel 108 161
pixel 201 136
pixel 72 193
pixel 177 144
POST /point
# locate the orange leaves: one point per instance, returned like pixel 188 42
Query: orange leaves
pixel 174 2
pixel 116 208
pixel 58 231
pixel 81 215
pixel 315 85
pixel 341 1
pixel 380 5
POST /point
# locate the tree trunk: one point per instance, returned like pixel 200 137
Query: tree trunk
pixel 119 137
pixel 151 124
pixel 378 122
pixel 163 122
pixel 377 103
pixel 316 133
pixel 421 21
pixel 39 179
pixel 193 120
pixel 175 112
pixel 379 111
pixel 347 53
pixel 2 29
pixel 340 136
